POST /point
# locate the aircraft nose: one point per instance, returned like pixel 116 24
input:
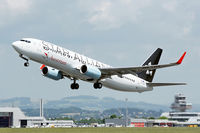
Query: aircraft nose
pixel 16 46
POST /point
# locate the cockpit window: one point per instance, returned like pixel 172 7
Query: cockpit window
pixel 25 41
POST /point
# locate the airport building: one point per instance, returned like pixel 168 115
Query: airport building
pixel 116 122
pixel 12 117
pixel 132 122
pixel 179 112
pixel 177 117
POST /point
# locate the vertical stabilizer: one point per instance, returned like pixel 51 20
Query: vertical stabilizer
pixel 152 60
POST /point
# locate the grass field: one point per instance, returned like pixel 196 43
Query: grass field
pixel 101 130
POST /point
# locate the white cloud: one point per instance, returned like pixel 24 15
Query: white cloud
pixel 179 17
pixel 172 18
pixel 109 14
pixel 102 16
pixel 10 9
pixel 15 7
pixel 170 6
pixel 186 26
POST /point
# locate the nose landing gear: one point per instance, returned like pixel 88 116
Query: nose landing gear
pixel 26 64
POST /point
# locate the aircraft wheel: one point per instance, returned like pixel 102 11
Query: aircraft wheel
pixel 26 64
pixel 76 86
pixel 73 86
pixel 97 85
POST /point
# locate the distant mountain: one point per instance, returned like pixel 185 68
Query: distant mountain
pixel 22 102
pixel 83 107
pixel 83 102
pixel 78 113
pixel 95 103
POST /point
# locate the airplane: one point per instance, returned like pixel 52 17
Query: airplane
pixel 58 63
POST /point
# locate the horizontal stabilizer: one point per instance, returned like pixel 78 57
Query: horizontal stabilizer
pixel 164 84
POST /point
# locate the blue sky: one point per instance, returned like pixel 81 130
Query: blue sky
pixel 120 33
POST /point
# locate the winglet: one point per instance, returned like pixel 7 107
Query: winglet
pixel 42 67
pixel 181 59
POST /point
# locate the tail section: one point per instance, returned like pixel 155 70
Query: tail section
pixel 148 75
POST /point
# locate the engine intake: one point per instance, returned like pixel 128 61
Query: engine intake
pixel 91 72
pixel 52 73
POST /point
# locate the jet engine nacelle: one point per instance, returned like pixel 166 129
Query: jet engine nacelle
pixel 52 73
pixel 90 71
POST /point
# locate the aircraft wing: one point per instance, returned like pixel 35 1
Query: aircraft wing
pixel 107 72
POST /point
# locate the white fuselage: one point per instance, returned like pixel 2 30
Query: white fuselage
pixel 70 62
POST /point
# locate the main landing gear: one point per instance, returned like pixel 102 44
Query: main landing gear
pixel 26 64
pixel 74 86
pixel 97 85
